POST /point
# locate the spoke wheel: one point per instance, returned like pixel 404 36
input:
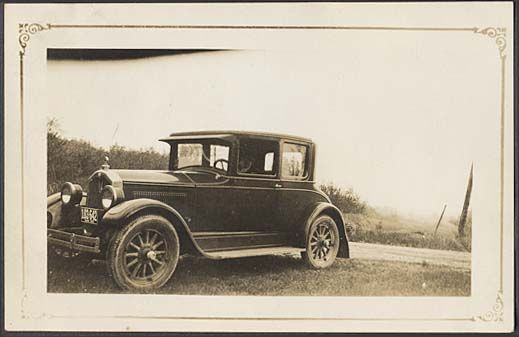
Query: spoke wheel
pixel 144 254
pixel 322 243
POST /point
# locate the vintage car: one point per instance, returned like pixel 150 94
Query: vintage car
pixel 226 194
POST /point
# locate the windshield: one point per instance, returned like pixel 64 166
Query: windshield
pixel 200 154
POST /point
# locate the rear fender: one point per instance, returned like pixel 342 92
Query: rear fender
pixel 121 214
pixel 324 208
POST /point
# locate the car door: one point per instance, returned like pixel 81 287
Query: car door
pixel 240 211
pixel 213 191
pixel 296 192
pixel 254 206
pixel 255 184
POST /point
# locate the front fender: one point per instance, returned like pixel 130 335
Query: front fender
pixel 53 199
pixel 54 214
pixel 331 210
pixel 117 214
pixel 121 213
pixel 60 216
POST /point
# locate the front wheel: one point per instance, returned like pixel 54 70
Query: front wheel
pixel 144 254
pixel 322 243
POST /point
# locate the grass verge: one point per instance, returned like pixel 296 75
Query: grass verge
pixel 276 276
pixel 404 239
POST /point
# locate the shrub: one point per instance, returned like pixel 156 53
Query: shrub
pixel 345 199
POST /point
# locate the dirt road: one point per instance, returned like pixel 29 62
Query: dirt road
pixel 372 251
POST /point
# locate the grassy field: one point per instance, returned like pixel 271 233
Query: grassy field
pixel 277 276
pixel 398 230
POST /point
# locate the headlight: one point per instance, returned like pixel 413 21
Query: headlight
pixel 71 194
pixel 109 197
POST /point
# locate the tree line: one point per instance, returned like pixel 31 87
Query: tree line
pixel 75 160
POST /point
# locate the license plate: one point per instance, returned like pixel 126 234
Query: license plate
pixel 89 215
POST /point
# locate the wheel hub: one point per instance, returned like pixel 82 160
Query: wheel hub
pixel 322 242
pixel 325 243
pixel 147 254
pixel 151 255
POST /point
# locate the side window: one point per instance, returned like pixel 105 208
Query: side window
pixel 294 161
pixel 257 157
pixel 220 156
pixel 269 162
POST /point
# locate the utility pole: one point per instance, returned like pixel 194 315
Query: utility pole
pixel 463 217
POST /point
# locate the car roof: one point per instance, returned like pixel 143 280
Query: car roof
pixel 228 134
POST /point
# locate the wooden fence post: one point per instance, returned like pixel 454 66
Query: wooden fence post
pixel 440 220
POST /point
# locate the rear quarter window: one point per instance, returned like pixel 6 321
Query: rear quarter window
pixel 294 165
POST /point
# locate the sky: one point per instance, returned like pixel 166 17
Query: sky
pixel 400 124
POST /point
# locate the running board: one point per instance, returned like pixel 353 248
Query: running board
pixel 232 254
pixel 211 242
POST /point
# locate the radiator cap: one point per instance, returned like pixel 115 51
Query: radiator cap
pixel 105 165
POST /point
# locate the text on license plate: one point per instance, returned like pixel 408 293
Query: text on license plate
pixel 89 215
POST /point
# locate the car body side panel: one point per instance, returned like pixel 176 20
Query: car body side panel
pixel 254 205
pixel 179 197
pixel 213 208
pixel 295 198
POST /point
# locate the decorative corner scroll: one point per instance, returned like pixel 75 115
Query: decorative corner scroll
pixel 496 314
pixel 498 33
pixel 25 30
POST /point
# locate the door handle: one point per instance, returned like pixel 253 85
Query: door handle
pixel 278 186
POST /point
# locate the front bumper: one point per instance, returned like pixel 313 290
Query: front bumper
pixel 73 241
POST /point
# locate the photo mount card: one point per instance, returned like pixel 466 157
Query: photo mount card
pixel 341 167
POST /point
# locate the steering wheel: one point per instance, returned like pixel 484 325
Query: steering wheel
pixel 245 165
pixel 222 161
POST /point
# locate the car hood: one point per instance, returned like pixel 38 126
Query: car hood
pixel 180 177
pixel 153 176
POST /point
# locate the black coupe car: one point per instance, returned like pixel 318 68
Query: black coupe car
pixel 226 194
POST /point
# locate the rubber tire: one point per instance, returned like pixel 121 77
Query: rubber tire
pixel 310 262
pixel 115 253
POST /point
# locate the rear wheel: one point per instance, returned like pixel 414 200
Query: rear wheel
pixel 144 254
pixel 322 243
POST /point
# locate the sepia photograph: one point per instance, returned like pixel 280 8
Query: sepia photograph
pixel 263 167
pixel 235 172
